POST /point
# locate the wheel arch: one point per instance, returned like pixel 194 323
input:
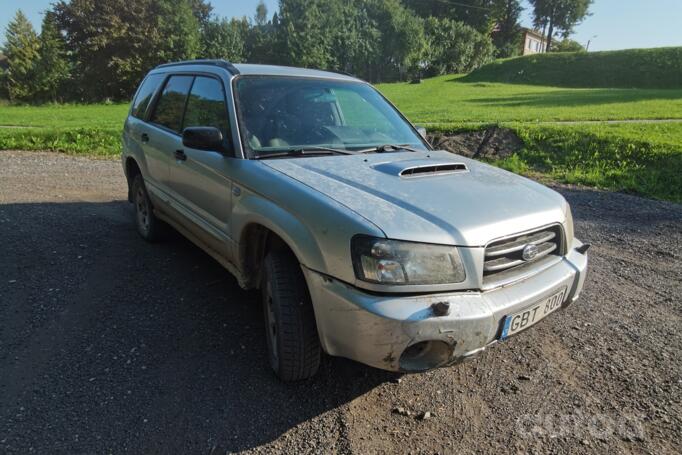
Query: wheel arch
pixel 132 170
pixel 256 240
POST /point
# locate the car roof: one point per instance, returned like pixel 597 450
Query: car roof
pixel 255 69
pixel 274 70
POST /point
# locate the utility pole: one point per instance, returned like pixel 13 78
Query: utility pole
pixel 589 41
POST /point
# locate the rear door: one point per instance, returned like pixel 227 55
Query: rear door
pixel 199 179
pixel 162 133
pixel 136 131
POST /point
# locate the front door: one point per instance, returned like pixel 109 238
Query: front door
pixel 200 180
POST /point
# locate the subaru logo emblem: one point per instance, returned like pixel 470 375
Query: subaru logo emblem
pixel 529 252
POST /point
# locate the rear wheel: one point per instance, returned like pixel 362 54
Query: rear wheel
pixel 293 344
pixel 146 222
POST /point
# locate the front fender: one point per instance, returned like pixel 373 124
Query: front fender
pixel 255 210
pixel 317 228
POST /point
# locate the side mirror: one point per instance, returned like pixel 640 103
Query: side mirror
pixel 422 132
pixel 203 138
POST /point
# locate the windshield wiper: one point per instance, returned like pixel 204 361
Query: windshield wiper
pixel 388 148
pixel 308 151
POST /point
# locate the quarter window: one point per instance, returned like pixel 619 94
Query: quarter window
pixel 171 105
pixel 206 105
pixel 145 94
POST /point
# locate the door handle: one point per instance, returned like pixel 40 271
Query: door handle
pixel 144 137
pixel 180 155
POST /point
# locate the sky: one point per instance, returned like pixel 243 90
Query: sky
pixel 614 24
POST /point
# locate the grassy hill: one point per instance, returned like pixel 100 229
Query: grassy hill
pixel 659 68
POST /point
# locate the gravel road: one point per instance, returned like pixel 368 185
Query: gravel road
pixel 109 344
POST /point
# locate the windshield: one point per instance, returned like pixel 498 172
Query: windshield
pixel 280 114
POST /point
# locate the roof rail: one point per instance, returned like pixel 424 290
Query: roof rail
pixel 215 62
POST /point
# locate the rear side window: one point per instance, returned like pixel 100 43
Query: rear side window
pixel 145 94
pixel 171 105
pixel 206 105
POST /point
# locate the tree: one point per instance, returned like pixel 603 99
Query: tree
pixel 261 38
pixel 478 14
pixel 559 16
pixel 225 39
pixel 402 43
pixel 201 10
pixel 379 40
pixel 52 67
pixel 3 77
pixel 22 51
pixel 356 42
pixel 454 47
pixel 507 32
pixel 500 18
pixel 304 33
pixel 115 42
pixel 178 28
pixel 261 16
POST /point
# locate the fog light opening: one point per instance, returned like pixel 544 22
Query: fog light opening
pixel 425 355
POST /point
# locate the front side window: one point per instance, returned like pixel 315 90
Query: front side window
pixel 171 105
pixel 285 113
pixel 145 94
pixel 206 105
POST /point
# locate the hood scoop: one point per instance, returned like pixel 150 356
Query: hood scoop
pixel 433 169
pixel 420 168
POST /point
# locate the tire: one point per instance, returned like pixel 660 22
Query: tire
pixel 148 226
pixel 293 344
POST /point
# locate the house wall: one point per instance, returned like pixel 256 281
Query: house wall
pixel 533 44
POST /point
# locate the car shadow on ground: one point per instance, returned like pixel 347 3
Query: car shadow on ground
pixel 110 343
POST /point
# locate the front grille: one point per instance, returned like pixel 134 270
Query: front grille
pixel 506 257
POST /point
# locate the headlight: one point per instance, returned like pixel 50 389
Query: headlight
pixel 405 263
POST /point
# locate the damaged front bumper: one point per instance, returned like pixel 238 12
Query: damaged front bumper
pixel 407 333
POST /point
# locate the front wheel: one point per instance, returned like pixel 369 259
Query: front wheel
pixel 293 344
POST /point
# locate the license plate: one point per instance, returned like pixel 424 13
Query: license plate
pixel 515 323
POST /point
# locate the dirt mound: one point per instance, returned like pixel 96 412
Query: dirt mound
pixel 491 143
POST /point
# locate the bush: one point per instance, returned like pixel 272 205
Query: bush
pixel 454 47
pixel 567 45
pixel 105 142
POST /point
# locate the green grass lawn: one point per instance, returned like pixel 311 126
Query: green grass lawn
pixel 93 129
pixel 101 116
pixel 641 158
pixel 449 100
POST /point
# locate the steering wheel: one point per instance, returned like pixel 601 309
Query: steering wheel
pixel 284 125
pixel 322 135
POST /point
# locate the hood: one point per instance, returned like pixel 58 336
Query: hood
pixel 432 197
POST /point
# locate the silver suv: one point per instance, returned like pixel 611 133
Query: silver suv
pixel 364 242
